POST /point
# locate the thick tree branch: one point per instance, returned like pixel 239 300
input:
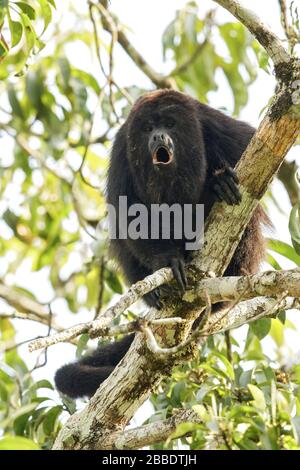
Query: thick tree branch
pixel 248 311
pixel 267 284
pixel 152 433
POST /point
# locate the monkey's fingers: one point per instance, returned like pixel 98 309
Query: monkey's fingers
pixel 223 193
pixel 234 189
pixel 232 173
pixel 153 299
pixel 177 266
pixel 232 181
pixel 226 188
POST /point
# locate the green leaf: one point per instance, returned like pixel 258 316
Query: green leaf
pixel 27 9
pixel 296 428
pixel 277 332
pixel 34 89
pixel 182 429
pixel 46 13
pixel 11 219
pixel 50 419
pixel 17 443
pixel 83 340
pixel 113 281
pixel 273 262
pixel 69 404
pixel 261 327
pixel 228 366
pixel 294 227
pixel 87 79
pixel 29 33
pixel 14 102
pixel 296 374
pixel 3 48
pixel 282 316
pixel 41 384
pixel 3 7
pixel 259 398
pixel 65 70
pixel 284 249
pixel 16 31
pixel 245 378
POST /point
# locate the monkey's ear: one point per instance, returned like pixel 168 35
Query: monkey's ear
pixel 225 138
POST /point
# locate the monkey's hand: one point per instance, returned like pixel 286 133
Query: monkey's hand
pixel 153 299
pixel 224 184
pixel 176 263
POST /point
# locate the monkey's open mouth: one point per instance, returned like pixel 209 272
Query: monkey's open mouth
pixel 162 156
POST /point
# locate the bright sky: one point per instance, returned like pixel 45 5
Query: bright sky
pixel 147 21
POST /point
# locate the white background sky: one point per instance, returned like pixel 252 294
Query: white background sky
pixel 147 21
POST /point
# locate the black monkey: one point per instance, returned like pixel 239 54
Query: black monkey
pixel 171 149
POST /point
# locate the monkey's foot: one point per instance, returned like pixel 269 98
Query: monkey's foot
pixel 225 186
pixel 177 266
pixel 176 263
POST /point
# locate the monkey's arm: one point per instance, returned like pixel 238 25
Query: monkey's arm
pixel 225 141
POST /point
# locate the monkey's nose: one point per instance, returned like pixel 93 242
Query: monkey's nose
pixel 160 138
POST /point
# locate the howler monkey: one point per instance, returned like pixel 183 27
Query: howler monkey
pixel 171 149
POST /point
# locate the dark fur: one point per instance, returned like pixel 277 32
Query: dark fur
pixel 207 144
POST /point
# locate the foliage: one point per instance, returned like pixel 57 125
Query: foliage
pixel 57 118
pixel 248 404
pixel 21 32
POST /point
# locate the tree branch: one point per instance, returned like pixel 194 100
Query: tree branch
pixel 152 433
pixel 29 308
pixel 267 284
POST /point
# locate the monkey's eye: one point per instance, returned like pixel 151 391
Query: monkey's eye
pixel 148 128
pixel 170 123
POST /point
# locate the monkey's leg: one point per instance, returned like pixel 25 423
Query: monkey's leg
pixel 134 271
pixel 252 248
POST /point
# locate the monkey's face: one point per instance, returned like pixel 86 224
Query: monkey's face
pixel 165 143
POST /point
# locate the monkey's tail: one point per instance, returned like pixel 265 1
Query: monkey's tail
pixel 83 378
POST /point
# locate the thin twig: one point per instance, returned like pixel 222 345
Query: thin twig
pixel 290 32
pixel 159 80
pixel 101 287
